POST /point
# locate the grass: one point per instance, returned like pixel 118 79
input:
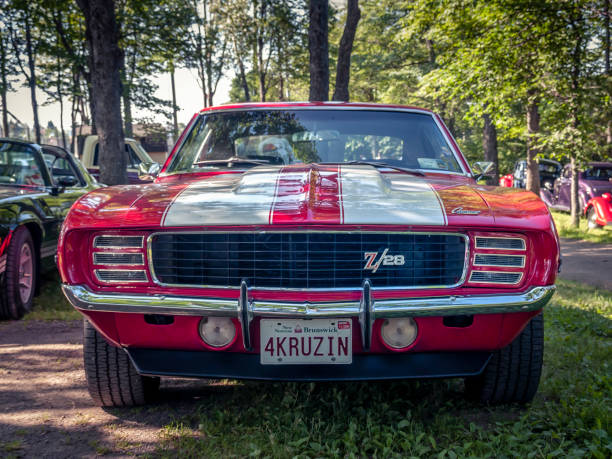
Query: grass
pixel 565 229
pixel 570 416
pixel 51 304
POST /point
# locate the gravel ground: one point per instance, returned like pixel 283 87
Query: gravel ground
pixel 587 262
pixel 45 410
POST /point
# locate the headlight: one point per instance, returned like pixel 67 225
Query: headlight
pixel 399 333
pixel 217 331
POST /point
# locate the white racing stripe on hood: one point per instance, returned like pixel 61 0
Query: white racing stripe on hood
pixel 370 198
pixel 226 199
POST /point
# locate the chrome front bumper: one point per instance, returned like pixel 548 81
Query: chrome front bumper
pixel 367 309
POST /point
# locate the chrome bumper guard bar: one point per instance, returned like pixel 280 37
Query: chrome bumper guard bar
pixel 367 310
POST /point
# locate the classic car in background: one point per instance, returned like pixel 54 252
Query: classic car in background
pixel 311 241
pixel 598 211
pixel 549 172
pixel 38 184
pixel 593 181
pixel 88 154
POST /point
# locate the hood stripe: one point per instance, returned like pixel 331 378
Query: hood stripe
pixel 372 198
pixel 227 199
pixel 347 194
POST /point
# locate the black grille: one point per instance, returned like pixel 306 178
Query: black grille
pixel 306 260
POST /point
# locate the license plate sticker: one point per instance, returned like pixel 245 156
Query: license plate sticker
pixel 310 342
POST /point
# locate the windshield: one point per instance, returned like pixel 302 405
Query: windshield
pixel 599 173
pixel 20 165
pixel 282 137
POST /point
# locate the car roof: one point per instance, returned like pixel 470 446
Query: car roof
pixel 331 104
pixel 600 164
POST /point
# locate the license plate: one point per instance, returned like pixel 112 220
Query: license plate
pixel 298 341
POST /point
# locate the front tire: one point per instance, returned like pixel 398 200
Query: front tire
pixel 20 275
pixel 513 373
pixel 112 380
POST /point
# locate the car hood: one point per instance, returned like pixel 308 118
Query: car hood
pixel 313 194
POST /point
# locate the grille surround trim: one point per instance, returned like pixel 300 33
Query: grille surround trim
pixel 462 280
pixel 497 282
pixel 483 257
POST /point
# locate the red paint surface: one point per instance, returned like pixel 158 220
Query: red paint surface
pixel 487 332
pixel 308 197
pixel 603 209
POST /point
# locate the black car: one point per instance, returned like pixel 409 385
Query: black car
pixel 38 184
pixel 549 171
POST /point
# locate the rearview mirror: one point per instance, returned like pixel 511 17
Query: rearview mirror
pixel 67 181
pixel 148 171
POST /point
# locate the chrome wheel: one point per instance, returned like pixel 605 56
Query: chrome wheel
pixel 592 220
pixel 26 271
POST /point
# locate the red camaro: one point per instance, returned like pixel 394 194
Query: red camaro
pixel 311 242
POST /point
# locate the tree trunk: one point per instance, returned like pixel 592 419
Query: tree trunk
pixel 343 68
pixel 174 107
pixel 574 199
pixel 127 110
pixel 607 67
pixel 3 87
pixel 103 36
pixel 32 78
pixel 126 95
pixel 242 74
pixel 533 128
pixel 489 144
pixel 318 48
pixel 60 97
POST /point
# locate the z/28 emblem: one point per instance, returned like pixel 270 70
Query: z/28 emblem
pixel 372 264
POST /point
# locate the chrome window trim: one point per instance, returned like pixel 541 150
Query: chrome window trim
pixel 476 255
pixel 449 144
pixel 520 278
pixel 95 263
pixel 466 261
pixel 476 238
pixel 95 240
pixel 115 281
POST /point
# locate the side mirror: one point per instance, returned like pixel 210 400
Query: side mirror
pixel 483 169
pixel 148 171
pixel 67 181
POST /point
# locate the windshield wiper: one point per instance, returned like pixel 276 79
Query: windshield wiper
pixel 381 165
pixel 229 162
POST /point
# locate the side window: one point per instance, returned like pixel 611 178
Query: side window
pixel 132 158
pixel 20 165
pixel 60 167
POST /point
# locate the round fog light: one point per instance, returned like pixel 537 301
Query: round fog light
pixel 217 331
pixel 399 333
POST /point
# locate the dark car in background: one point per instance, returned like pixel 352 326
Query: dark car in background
pixel 549 172
pixel 594 180
pixel 38 184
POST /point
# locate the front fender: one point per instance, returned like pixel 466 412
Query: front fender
pixel 602 209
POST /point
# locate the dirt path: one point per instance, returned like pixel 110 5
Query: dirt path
pixel 587 262
pixel 45 410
